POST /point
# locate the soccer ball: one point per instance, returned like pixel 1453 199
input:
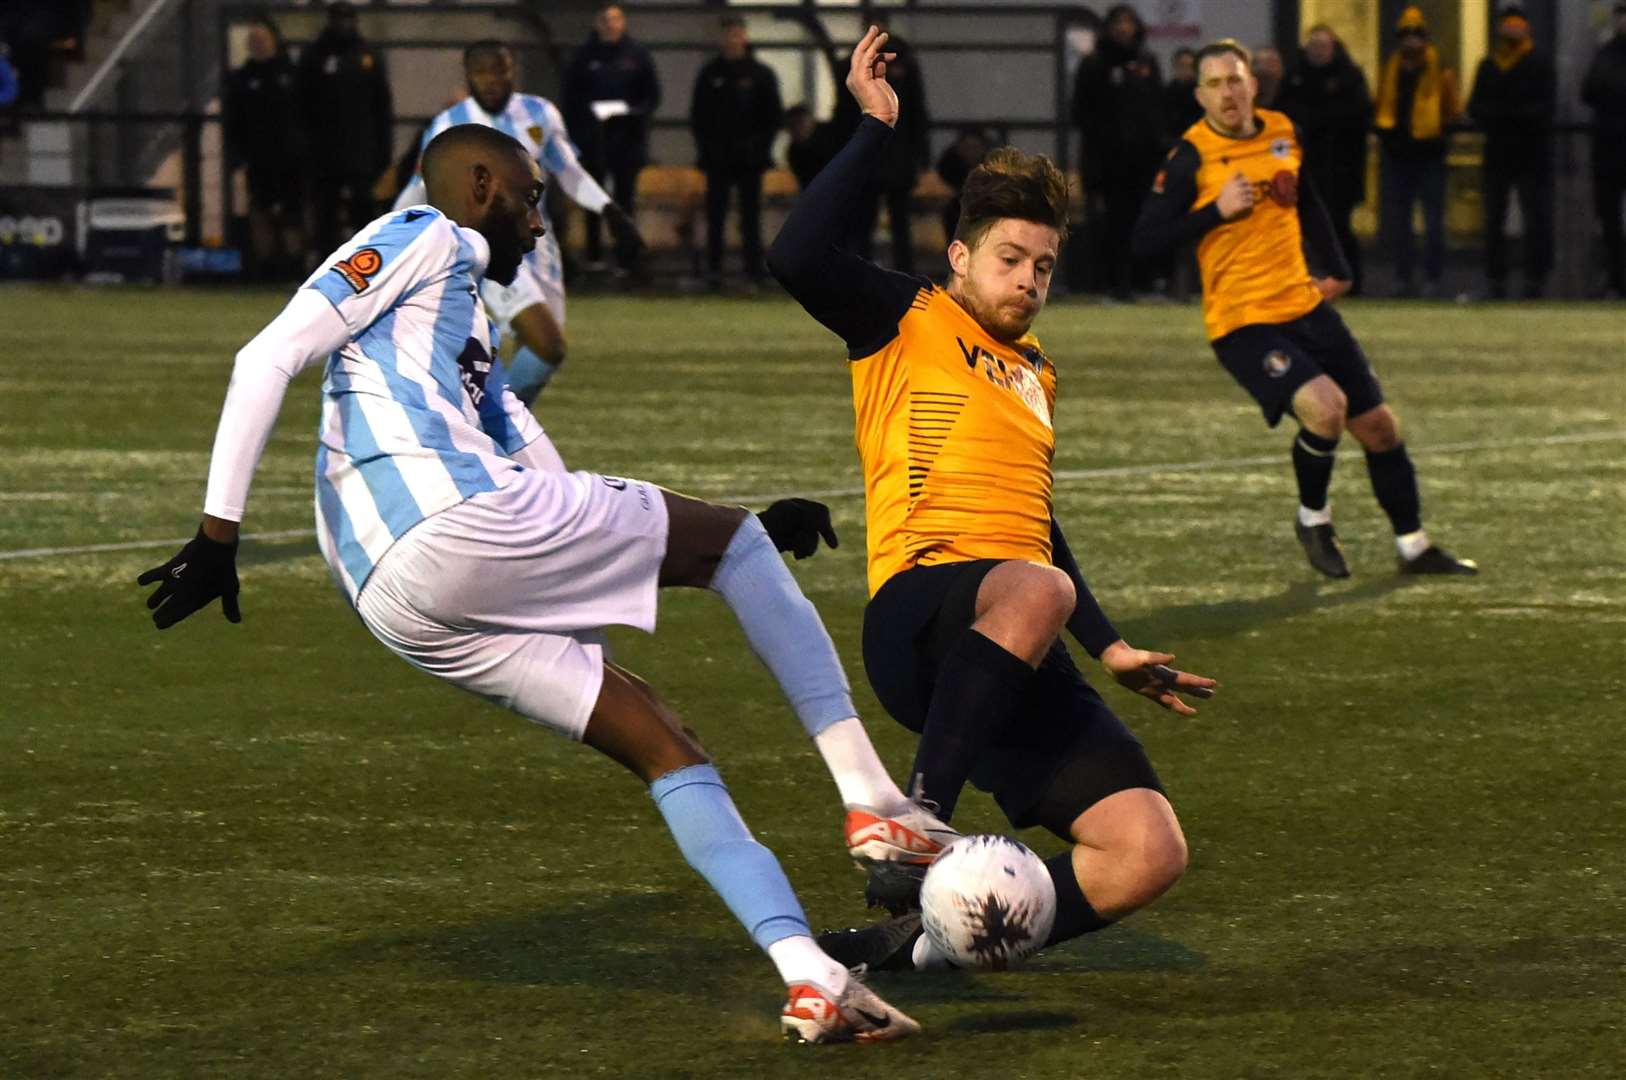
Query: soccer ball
pixel 987 902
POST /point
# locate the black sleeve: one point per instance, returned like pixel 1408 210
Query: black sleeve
pixel 1321 248
pixel 1088 624
pixel 849 295
pixel 1167 220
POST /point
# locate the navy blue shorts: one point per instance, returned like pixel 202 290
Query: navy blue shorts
pixel 1063 751
pixel 1272 360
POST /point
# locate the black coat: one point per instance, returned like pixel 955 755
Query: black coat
pixel 1333 110
pixel 1180 109
pixel 735 114
pixel 1604 90
pixel 603 71
pixel 263 116
pixel 1515 110
pixel 1118 107
pixel 345 100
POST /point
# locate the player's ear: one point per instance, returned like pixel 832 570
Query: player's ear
pixel 959 257
pixel 483 183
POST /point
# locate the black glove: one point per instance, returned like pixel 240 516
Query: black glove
pixel 795 525
pixel 623 228
pixel 201 571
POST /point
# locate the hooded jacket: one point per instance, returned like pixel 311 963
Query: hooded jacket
pixel 1514 106
pixel 1118 105
pixel 1604 91
pixel 1333 109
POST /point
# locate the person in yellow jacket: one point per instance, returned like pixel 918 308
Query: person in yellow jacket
pixel 1417 102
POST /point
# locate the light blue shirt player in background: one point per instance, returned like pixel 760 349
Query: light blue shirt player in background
pixel 533 307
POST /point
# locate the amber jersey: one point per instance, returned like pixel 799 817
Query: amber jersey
pixel 1253 267
pixel 952 426
pixel 954 433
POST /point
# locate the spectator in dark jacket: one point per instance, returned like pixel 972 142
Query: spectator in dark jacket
pixel 348 113
pixel 735 114
pixel 1180 108
pixel 1118 107
pixel 1327 97
pixel 613 75
pixel 264 138
pixel 1268 73
pixel 1604 90
pixel 1514 99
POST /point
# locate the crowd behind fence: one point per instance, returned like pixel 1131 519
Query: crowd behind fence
pixel 198 162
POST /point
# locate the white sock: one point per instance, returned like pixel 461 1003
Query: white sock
pixel 858 773
pixel 926 955
pixel 1310 518
pixel 1411 545
pixel 800 960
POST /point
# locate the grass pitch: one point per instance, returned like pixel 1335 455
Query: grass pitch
pixel 275 850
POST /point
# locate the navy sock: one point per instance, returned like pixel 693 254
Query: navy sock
pixel 978 687
pixel 1074 915
pixel 1312 465
pixel 1394 482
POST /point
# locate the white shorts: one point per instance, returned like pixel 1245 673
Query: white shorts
pixel 504 594
pixel 540 280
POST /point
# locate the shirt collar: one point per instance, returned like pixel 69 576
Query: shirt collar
pixel 481 249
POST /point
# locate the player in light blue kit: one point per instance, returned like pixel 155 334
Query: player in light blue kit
pixel 533 307
pixel 449 522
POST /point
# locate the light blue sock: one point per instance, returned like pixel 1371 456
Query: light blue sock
pixel 714 839
pixel 783 628
pixel 528 373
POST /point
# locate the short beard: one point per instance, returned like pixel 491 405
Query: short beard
pixel 997 326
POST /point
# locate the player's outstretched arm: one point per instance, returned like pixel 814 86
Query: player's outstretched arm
pixel 849 295
pixel 308 330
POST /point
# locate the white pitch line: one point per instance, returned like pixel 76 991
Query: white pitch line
pixel 1065 475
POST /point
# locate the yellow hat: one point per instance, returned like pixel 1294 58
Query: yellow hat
pixel 1412 19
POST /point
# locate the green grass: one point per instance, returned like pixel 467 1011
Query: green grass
pixel 275 850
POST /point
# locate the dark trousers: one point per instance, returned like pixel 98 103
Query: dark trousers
pixel 1340 214
pixel 1407 181
pixel 354 194
pixel 718 184
pixel 1534 182
pixel 900 210
pixel 623 188
pixel 1122 191
pixel 1608 191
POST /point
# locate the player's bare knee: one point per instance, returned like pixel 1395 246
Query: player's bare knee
pixel 1047 598
pixel 1377 429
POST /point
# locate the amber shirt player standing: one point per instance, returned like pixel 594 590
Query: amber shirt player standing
pixel 1234 181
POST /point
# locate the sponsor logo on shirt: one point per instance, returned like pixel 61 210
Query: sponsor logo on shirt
pixel 359 268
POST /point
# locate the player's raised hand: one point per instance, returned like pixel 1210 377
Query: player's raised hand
pixel 1331 288
pixel 1148 674
pixel 795 525
pixel 1235 198
pixel 866 78
pixel 199 572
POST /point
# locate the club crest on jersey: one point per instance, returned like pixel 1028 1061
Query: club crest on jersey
pixel 535 132
pixel 1277 363
pixel 1283 188
pixel 1281 148
pixel 359 268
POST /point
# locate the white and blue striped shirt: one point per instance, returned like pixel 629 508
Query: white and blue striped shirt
pixel 536 123
pixel 414 414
